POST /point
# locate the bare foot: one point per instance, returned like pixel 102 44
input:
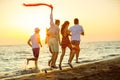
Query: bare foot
pixel 77 62
pixel 60 67
pixel 70 65
pixel 54 67
pixel 49 63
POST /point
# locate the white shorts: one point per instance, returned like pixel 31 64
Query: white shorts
pixel 53 45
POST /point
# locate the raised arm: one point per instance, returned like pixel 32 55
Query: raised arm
pixel 51 18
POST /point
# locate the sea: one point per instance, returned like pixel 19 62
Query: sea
pixel 13 57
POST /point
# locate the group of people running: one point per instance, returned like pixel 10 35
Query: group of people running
pixel 53 41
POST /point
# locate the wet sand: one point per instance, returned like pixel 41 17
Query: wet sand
pixel 102 70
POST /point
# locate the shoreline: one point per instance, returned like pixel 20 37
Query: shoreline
pixel 101 70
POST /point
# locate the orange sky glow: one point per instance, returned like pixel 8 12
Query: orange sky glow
pixel 99 18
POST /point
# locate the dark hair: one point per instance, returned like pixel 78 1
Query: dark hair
pixel 63 26
pixel 57 21
pixel 76 21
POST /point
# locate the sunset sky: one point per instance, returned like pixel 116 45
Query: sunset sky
pixel 99 18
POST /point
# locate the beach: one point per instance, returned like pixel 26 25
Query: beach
pixel 92 57
pixel 101 70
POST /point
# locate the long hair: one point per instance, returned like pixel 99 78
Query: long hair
pixel 63 26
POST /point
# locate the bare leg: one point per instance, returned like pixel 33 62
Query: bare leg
pixel 71 56
pixel 70 47
pixel 52 64
pixel 33 59
pixel 61 58
pixel 36 66
pixel 62 55
pixel 49 62
pixel 55 55
pixel 55 58
pixel 77 54
pixel 28 59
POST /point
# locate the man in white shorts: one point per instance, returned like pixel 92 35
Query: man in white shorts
pixel 53 40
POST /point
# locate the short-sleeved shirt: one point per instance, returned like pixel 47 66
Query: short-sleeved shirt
pixel 35 40
pixel 54 29
pixel 76 30
pixel 53 36
pixel 53 33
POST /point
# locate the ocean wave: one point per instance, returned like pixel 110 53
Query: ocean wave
pixel 14 57
pixel 22 52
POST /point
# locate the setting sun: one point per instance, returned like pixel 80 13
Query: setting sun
pixel 39 38
pixel 34 17
pixel 31 21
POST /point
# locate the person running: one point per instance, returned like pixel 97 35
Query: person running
pixel 76 31
pixel 35 43
pixel 46 42
pixel 53 40
pixel 65 41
